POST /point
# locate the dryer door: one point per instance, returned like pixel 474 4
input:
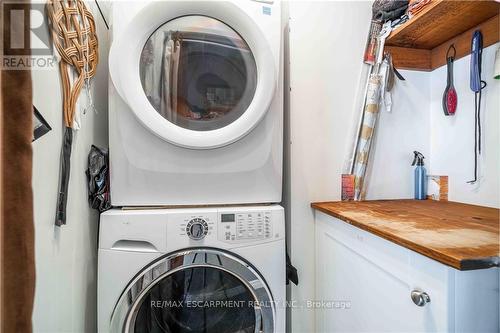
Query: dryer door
pixel 197 74
pixel 196 290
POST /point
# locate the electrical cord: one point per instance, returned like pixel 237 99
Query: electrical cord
pixel 477 130
pixel 476 85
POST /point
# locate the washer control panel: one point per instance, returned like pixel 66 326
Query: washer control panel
pixel 197 228
pixel 245 226
pixel 229 225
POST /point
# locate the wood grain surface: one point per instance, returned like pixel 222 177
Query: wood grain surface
pixel 440 24
pixel 440 21
pixel 462 236
pixel 411 59
pixel 491 35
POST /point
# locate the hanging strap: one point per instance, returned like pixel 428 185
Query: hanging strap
pixel 62 197
pixel 291 272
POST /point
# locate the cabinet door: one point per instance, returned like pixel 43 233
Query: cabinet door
pixel 372 280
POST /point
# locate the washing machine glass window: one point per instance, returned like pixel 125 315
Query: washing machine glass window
pixel 200 299
pixel 196 290
pixel 198 73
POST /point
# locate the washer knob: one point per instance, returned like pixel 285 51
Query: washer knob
pixel 197 229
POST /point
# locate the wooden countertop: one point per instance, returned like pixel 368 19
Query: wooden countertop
pixel 462 236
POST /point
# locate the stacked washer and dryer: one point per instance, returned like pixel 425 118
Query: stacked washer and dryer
pixel 197 241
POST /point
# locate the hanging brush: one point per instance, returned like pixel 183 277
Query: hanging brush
pixel 450 98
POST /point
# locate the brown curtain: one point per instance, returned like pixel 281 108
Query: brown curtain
pixel 17 252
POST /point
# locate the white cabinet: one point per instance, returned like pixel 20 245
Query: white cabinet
pixel 364 284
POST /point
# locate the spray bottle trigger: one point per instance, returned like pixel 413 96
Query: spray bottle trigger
pixel 418 159
pixel 415 158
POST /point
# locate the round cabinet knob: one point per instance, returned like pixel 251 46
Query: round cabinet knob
pixel 197 229
pixel 420 298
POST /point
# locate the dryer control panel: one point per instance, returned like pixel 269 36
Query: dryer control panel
pixel 245 226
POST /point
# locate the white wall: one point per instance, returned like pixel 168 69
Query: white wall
pixel 324 74
pixel 399 133
pixel 452 144
pixel 66 257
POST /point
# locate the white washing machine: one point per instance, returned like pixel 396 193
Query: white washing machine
pixel 195 102
pixel 212 270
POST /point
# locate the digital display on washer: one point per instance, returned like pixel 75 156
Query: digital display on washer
pixel 227 218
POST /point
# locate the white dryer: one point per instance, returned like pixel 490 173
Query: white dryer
pixel 192 270
pixel 195 102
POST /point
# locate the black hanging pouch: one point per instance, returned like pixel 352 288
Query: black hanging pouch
pixel 98 179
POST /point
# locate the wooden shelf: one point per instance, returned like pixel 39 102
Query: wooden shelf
pixel 422 42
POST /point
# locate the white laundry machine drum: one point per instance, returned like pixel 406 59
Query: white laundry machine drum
pixel 199 75
pixel 197 291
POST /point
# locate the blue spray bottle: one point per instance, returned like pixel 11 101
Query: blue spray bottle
pixel 420 176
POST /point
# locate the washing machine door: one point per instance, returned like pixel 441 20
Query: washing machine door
pixel 196 290
pixel 199 75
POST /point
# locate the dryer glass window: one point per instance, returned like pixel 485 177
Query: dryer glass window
pixel 198 73
pixel 197 300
